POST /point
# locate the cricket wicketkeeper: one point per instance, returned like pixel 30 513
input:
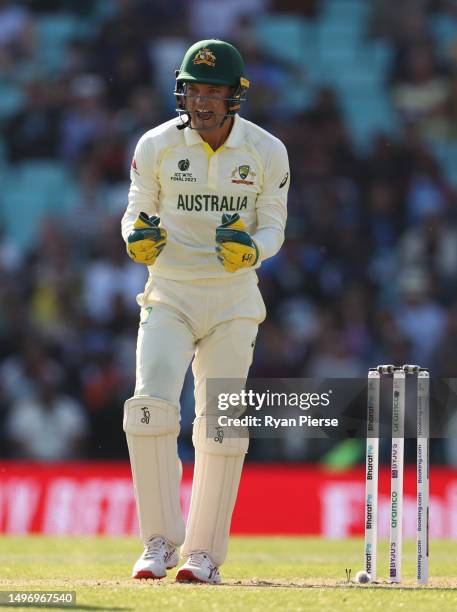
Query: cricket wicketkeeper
pixel 207 204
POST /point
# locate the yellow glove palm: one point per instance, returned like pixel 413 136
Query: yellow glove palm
pixel 235 247
pixel 147 239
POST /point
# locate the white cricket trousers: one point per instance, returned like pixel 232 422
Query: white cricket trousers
pixel 215 322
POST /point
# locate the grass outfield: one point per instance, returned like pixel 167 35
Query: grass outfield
pixel 261 574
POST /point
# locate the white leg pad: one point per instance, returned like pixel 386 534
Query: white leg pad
pixel 217 475
pixel 152 427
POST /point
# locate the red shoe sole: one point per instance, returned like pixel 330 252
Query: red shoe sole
pixel 146 575
pixel 185 575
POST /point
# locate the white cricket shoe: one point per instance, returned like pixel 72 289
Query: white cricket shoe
pixel 199 568
pixel 158 556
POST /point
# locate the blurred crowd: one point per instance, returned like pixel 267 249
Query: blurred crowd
pixel 367 274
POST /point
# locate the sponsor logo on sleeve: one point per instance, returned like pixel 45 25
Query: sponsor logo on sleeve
pixel 284 180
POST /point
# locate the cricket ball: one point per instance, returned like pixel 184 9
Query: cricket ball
pixel 362 577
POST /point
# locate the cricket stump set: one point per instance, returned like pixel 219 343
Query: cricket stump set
pixel 399 376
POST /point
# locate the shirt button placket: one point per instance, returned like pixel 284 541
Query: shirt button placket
pixel 212 171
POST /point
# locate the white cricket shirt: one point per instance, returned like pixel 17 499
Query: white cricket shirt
pixel 175 174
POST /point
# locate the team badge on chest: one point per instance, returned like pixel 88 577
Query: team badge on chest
pixel 243 175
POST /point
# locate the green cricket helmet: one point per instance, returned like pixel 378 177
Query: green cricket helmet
pixel 213 62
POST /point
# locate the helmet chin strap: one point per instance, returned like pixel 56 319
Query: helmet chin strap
pixel 188 122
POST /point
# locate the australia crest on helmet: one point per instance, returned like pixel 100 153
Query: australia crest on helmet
pixel 205 56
